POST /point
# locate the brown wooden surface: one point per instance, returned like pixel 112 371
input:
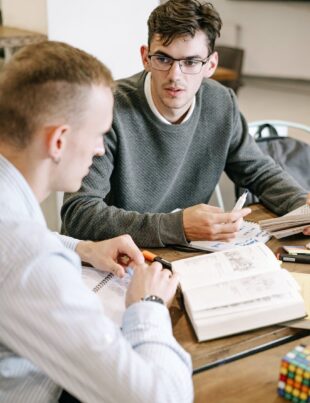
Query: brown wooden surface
pixel 224 74
pixel 205 353
pixel 250 380
pixel 13 37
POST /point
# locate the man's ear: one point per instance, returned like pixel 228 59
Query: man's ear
pixel 211 65
pixel 144 51
pixel 56 138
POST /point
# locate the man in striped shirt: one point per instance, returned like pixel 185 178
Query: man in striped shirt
pixel 55 105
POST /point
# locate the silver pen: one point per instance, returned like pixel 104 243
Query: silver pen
pixel 240 202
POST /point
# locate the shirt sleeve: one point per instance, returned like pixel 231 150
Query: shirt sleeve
pixel 49 317
pixel 67 241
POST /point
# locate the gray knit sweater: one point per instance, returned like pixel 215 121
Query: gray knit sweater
pixel 151 168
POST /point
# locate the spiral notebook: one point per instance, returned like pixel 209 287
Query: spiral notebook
pixel 249 234
pixel 110 289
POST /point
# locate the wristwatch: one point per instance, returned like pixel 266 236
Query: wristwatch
pixel 153 298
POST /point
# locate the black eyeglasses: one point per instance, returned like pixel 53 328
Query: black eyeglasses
pixel 187 66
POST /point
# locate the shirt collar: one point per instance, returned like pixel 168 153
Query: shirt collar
pixel 16 194
pixel 149 98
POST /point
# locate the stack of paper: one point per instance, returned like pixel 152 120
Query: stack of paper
pixel 292 223
pixel 237 290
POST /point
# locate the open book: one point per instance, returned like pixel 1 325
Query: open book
pixel 289 224
pixel 237 290
pixel 248 234
pixel 110 289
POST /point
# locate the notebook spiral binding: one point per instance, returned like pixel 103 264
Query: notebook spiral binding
pixel 102 283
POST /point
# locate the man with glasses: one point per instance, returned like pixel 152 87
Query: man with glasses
pixel 174 132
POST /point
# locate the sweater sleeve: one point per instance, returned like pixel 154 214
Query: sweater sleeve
pixel 248 167
pixel 91 213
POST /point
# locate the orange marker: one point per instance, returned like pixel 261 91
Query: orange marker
pixel 151 257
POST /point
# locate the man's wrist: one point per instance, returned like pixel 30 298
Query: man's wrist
pixel 84 250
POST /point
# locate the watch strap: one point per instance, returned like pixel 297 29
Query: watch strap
pixel 153 298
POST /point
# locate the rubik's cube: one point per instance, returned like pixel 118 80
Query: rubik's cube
pixel 294 380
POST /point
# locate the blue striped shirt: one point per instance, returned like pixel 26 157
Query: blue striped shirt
pixel 53 331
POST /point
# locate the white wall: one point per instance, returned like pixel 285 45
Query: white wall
pixel 274 34
pixel 29 14
pixel 111 31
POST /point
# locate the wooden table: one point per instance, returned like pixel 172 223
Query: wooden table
pixel 224 74
pixel 210 354
pixel 251 380
pixel 12 38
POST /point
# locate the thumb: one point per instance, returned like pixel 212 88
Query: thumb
pixel 115 268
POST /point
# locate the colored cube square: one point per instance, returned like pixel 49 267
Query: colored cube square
pixel 294 378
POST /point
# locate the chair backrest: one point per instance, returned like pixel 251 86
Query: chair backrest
pixel 291 154
pixel 231 58
pixel 282 127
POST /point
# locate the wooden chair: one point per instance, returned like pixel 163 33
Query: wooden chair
pixel 231 58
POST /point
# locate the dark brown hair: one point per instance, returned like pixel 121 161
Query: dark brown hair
pixel 184 17
pixel 46 83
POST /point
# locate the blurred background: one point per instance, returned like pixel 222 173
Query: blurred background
pixel 264 45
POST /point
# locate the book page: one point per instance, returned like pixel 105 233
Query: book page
pixel 248 234
pixel 222 266
pixel 305 209
pixel 238 291
pixel 257 304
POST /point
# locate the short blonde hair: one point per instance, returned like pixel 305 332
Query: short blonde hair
pixel 43 83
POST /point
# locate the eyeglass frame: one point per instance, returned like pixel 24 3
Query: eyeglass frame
pixel 203 62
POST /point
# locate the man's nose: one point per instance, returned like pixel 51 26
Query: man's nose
pixel 175 69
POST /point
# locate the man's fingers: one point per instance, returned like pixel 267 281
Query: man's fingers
pixel 306 231
pixel 231 217
pixel 116 269
pixel 234 216
pixel 224 237
pixel 211 209
pixel 129 248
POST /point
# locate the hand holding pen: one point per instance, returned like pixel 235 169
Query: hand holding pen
pixel 151 257
pixel 205 222
pixel 151 280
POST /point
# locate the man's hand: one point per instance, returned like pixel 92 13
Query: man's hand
pixel 307 230
pixel 152 280
pixel 204 222
pixel 112 255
